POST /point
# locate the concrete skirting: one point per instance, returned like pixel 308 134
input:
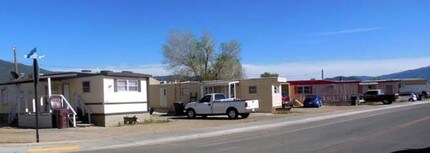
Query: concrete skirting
pixel 116 119
pixel 29 120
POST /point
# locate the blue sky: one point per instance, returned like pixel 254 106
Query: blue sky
pixel 299 37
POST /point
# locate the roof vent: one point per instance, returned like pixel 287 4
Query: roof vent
pixel 105 71
pixel 126 72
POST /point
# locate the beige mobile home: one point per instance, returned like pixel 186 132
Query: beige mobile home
pixel 162 96
pixel 266 90
pixel 100 98
pixel 387 86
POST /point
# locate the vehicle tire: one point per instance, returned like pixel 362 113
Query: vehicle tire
pixel 191 113
pixel 232 113
pixel 244 115
pixel 385 102
pixel 410 99
pixel 204 116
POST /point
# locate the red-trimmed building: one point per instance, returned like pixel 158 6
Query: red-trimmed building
pixel 332 92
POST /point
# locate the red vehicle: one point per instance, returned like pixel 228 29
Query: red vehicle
pixel 285 98
pixel 286 102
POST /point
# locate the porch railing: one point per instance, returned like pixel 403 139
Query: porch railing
pixel 65 104
pixel 85 108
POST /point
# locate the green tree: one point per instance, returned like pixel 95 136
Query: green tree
pixel 268 75
pixel 195 57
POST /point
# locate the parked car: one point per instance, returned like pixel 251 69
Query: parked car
pixel 408 96
pixel 419 96
pixel 376 95
pixel 217 104
pixel 312 101
pixel 425 94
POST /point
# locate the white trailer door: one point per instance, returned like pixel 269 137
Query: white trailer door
pixel 163 97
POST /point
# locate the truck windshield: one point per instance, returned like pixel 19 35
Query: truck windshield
pixel 219 96
pixel 372 93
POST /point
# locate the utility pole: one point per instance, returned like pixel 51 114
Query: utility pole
pixel 15 60
pixel 322 74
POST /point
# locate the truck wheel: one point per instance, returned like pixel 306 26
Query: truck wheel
pixel 244 115
pixel 191 113
pixel 386 102
pixel 232 113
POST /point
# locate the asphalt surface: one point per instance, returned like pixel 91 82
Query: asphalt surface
pixel 404 129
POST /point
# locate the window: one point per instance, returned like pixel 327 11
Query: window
pixel 252 89
pixel 86 86
pixel 185 91
pixel 127 85
pixel 276 89
pixel 206 99
pixel 219 96
pixel 133 85
pixel 304 89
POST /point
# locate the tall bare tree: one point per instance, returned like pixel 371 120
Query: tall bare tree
pixel 206 49
pixel 189 56
pixel 227 64
pixel 181 52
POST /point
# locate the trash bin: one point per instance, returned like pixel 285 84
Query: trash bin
pixel 62 118
pixel 179 108
pixel 354 100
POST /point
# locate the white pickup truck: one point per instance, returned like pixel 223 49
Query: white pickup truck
pixel 217 104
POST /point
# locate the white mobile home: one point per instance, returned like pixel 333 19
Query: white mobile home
pixel 414 85
pixel 104 98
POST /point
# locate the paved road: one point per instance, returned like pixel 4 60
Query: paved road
pixel 400 129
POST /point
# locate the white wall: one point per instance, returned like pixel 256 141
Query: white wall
pixel 414 88
pixel 120 108
pixel 126 97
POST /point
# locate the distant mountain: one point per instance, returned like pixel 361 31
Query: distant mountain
pixel 423 72
pixel 6 67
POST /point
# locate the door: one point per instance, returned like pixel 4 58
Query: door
pixel 204 106
pixel 163 97
pixel 66 91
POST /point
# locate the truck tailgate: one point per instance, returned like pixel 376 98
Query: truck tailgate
pixel 252 104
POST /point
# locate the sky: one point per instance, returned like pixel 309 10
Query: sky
pixel 294 38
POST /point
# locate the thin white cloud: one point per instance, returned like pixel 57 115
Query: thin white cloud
pixel 297 70
pixel 308 70
pixel 348 31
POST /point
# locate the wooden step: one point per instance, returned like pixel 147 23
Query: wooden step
pixel 84 125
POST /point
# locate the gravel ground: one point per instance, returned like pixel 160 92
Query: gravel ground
pixel 170 123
